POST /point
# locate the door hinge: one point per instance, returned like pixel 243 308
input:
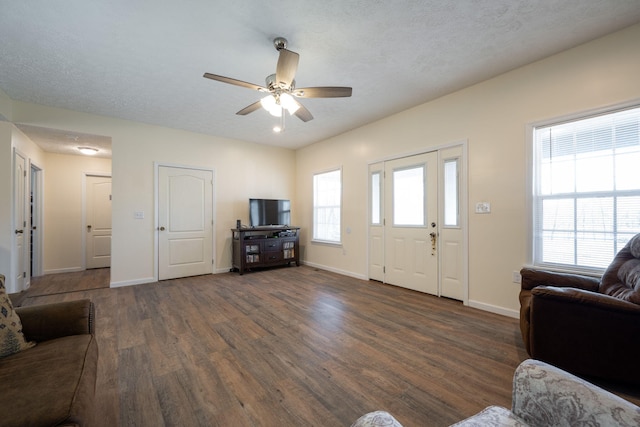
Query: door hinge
pixel 384 269
pixel 212 262
pixel 110 197
pixel 24 274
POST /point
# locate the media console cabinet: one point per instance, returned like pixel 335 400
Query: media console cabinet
pixel 264 247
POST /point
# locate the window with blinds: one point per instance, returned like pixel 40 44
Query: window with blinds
pixel 327 205
pixel 586 195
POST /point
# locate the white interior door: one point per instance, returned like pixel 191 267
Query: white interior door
pixel 411 226
pixel 20 223
pixel 98 221
pixel 185 222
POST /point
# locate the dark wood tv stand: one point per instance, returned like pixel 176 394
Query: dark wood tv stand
pixel 254 247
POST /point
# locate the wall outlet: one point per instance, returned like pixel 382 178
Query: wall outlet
pixel 517 278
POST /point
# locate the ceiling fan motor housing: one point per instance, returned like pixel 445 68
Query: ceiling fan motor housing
pixel 273 86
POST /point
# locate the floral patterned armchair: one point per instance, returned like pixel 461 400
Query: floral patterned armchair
pixel 543 396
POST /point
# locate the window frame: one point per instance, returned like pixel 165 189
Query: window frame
pixel 315 239
pixel 533 245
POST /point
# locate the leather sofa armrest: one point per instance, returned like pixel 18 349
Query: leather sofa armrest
pixel 532 277
pixel 585 297
pixel 49 321
pixel 546 395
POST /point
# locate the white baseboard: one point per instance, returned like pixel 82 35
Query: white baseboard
pixel 335 270
pixel 132 282
pixel 63 270
pixel 495 309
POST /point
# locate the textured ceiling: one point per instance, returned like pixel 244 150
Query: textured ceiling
pixel 144 60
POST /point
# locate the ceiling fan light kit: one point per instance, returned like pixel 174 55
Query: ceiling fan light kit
pixel 281 88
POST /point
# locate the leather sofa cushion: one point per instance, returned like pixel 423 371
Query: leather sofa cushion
pixel 622 278
pixel 51 383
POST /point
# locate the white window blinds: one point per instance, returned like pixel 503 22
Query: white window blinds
pixel 327 205
pixel 586 194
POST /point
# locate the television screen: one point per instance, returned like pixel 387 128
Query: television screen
pixel 265 212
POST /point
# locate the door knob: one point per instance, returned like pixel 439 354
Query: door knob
pixel 89 228
pixel 161 228
pixel 19 231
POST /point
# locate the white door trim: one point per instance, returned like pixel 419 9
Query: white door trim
pixel 156 210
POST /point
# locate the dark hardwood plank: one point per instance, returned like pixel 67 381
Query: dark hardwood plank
pixel 288 347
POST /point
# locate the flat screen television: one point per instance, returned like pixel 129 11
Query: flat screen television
pixel 269 212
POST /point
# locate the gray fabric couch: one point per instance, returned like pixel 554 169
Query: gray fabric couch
pixel 52 383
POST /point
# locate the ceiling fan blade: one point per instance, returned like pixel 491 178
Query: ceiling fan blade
pixel 302 113
pixel 231 81
pixel 287 67
pixel 322 92
pixel 249 109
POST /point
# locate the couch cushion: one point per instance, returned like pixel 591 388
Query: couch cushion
pixel 51 383
pixel 492 416
pixel 622 278
pixel 11 337
pixel 629 274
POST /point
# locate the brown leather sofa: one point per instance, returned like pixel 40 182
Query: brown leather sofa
pixel 586 325
pixel 53 383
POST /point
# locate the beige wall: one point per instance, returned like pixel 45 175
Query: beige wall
pixel 492 117
pixel 242 170
pixel 64 177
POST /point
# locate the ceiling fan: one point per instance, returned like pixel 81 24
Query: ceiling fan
pixel 281 87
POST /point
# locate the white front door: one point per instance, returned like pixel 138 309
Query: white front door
pixel 98 221
pixel 411 226
pixel 417 222
pixel 185 222
pixel 21 227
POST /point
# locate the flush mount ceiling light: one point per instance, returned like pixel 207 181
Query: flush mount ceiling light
pixel 88 151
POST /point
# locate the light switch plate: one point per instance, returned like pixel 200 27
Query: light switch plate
pixel 483 207
pixel 138 215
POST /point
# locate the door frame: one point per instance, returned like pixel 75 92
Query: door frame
pixel 36 187
pixel 84 211
pixel 156 211
pixel 464 211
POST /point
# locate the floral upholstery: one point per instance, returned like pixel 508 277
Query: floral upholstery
pixel 543 396
pixel 377 419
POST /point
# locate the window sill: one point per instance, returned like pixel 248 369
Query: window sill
pixel 326 243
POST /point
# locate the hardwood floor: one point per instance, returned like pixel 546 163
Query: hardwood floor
pixel 287 347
